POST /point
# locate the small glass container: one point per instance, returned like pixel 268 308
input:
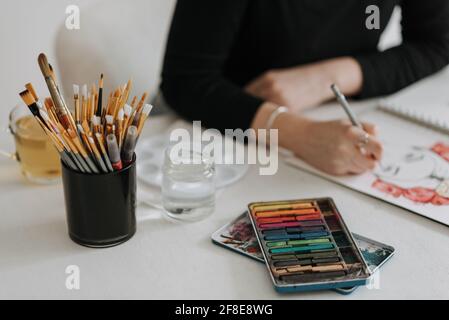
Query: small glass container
pixel 188 184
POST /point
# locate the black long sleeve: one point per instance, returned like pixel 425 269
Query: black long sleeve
pixel 199 43
pixel 216 47
pixel 424 50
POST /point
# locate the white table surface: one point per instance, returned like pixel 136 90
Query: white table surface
pixel 178 261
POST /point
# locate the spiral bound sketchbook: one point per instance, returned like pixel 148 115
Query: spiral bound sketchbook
pixel 433 115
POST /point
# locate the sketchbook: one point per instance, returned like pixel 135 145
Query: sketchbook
pixel 435 116
pixel 414 172
pixel 426 102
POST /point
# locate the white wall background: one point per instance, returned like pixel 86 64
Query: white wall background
pixel 122 38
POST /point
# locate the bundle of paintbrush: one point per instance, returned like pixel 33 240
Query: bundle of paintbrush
pixel 99 137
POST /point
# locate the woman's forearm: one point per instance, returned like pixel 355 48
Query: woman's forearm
pixel 291 127
pixel 346 72
pixel 309 85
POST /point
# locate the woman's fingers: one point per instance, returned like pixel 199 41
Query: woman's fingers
pixel 362 162
pixel 366 142
pixel 375 148
pixel 370 128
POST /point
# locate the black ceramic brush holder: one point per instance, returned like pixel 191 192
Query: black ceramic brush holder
pixel 100 208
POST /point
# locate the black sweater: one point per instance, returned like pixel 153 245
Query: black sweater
pixel 215 47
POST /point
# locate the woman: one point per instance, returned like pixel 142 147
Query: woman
pixel 233 63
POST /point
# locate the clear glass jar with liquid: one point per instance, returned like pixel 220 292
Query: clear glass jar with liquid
pixel 188 184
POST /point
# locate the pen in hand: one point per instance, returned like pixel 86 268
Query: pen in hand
pixel 352 117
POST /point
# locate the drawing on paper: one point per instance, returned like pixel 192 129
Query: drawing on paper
pixel 418 174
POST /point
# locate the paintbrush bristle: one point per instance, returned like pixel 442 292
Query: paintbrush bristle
pixel 128 109
pixel 147 109
pixel 43 64
pixel 120 114
pixel 48 102
pixel 30 88
pixel 109 119
pixel 96 121
pixel 27 97
pixel 101 81
pixel 80 128
pixel 76 90
pixel 84 90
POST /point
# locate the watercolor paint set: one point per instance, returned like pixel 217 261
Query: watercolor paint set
pixel 307 245
pixel 238 236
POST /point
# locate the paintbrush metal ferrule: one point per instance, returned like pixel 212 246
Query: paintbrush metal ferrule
pixel 113 152
pixel 129 145
pixel 76 160
pixel 68 161
pixel 83 163
pixel 92 165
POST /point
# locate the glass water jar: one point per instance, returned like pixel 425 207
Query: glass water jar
pixel 188 184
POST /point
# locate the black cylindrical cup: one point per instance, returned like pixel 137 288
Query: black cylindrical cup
pixel 100 208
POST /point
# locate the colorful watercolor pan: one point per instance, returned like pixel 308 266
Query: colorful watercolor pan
pixel 307 246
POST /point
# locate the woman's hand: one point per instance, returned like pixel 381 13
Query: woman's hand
pixel 331 146
pixel 309 85
pixel 296 88
pixel 334 147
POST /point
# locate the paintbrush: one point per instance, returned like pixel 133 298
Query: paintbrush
pixel 109 124
pixel 84 103
pixel 129 145
pixel 76 91
pixel 98 155
pixel 54 132
pixel 144 115
pixel 113 152
pixel 100 98
pixel 59 147
pixel 92 148
pixel 62 111
pixel 89 166
pixel 127 114
pixel 138 109
pixel 30 101
pixel 119 127
pixel 100 143
pixel 93 94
